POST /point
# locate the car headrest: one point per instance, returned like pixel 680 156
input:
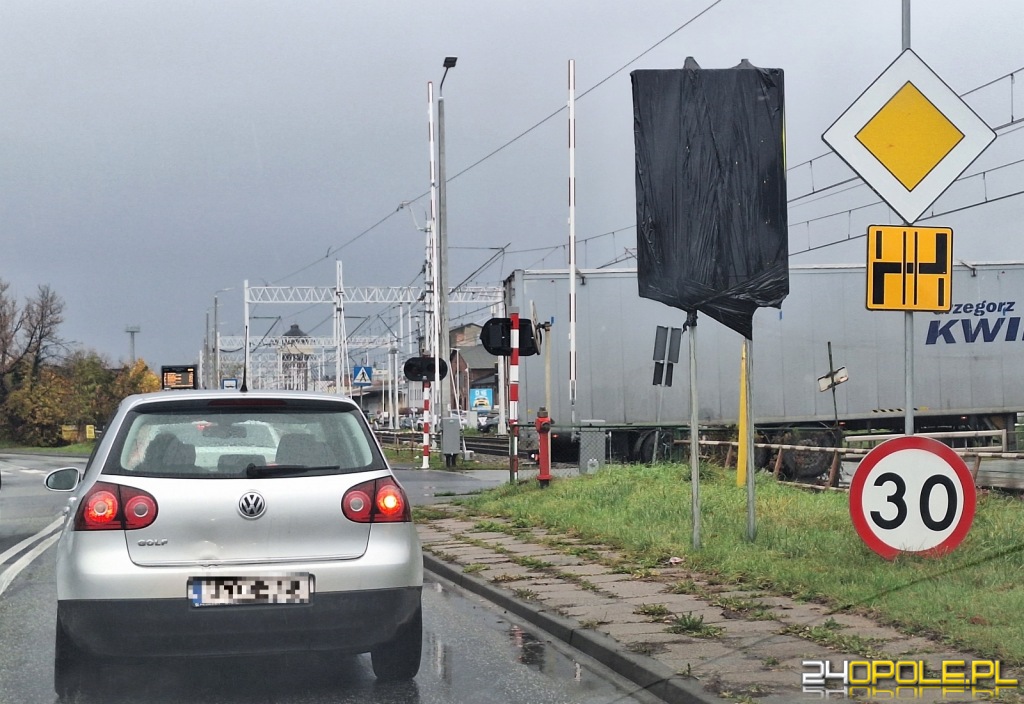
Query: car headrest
pixel 302 449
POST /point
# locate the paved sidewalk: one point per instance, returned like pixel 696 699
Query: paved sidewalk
pixel 681 636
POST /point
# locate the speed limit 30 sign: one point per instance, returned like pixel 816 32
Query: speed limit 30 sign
pixel 912 495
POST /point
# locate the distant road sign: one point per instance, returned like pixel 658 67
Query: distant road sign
pixel 912 494
pixel 909 268
pixel 833 379
pixel 483 399
pixel 362 376
pixel 909 136
pixel 179 377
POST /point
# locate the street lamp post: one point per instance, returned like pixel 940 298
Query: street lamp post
pixel 444 344
pixel 393 376
pixel 132 330
pixel 216 345
pixel 216 339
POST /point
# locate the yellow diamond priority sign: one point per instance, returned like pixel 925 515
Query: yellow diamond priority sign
pixel 909 136
pixel 909 268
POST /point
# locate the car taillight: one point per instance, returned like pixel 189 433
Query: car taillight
pixel 99 510
pixel 139 508
pixel 115 507
pixel 357 505
pixel 390 502
pixel 387 505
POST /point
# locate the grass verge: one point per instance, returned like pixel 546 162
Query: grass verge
pixel 81 448
pixel 806 548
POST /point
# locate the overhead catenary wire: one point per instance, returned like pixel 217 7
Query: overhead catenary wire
pixel 851 237
pixel 405 203
pixel 803 199
pixel 810 162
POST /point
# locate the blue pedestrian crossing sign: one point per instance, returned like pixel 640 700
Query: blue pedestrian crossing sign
pixel 362 376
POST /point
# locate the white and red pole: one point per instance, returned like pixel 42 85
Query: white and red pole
pixel 426 425
pixel 513 400
pixel 572 241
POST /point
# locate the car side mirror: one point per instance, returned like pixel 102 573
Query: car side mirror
pixel 63 479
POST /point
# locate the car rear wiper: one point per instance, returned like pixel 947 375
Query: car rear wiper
pixel 254 471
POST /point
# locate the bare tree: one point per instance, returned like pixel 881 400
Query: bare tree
pixel 28 335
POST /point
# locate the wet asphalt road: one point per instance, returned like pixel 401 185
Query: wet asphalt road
pixel 472 652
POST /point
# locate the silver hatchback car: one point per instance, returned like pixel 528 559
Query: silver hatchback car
pixel 229 523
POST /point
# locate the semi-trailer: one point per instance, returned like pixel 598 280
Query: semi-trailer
pixel 968 363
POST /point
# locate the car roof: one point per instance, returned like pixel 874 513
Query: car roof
pixel 212 394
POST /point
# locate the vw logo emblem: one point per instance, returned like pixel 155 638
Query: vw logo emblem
pixel 251 505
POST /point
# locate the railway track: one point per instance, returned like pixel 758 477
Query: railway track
pixel 492 445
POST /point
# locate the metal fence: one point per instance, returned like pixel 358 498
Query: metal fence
pixel 593 449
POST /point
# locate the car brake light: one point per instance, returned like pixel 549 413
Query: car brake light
pixel 115 507
pixel 389 503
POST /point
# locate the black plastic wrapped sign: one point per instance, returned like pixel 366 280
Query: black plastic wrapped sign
pixel 711 190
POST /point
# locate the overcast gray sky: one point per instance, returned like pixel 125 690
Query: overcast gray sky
pixel 154 152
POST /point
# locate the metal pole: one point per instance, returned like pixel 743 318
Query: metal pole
pixel 393 373
pixel 444 396
pixel 216 342
pixel 426 425
pixel 513 400
pixel 501 394
pixel 245 306
pixel 206 360
pixel 547 369
pixel 749 439
pixel 906 24
pixel 434 270
pixel 832 378
pixel 397 350
pixel 337 346
pixel 342 331
pixel 691 322
pixel 572 241
pixel 657 419
pixel 908 316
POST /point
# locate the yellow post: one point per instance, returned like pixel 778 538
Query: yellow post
pixel 741 455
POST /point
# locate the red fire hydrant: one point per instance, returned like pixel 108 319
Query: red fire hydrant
pixel 543 425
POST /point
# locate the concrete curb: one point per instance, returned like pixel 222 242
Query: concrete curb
pixel 646 672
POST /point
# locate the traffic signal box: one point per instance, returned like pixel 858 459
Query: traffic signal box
pixel 422 369
pixel 496 337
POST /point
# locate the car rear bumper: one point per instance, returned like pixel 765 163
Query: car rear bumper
pixel 95 566
pixel 342 621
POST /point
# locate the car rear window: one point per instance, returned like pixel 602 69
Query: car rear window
pixel 207 440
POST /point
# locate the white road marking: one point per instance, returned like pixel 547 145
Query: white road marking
pixel 14 570
pixel 10 552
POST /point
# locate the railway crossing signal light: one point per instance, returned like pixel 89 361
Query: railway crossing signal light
pixel 422 369
pixel 496 337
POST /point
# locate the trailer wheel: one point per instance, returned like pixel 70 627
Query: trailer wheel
pixel 762 455
pixel 644 448
pixel 799 465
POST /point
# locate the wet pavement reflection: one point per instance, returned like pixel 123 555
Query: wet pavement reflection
pixel 472 653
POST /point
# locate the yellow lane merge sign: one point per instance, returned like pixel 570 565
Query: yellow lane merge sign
pixel 909 268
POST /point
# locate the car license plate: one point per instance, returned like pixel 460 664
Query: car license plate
pixel 232 591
